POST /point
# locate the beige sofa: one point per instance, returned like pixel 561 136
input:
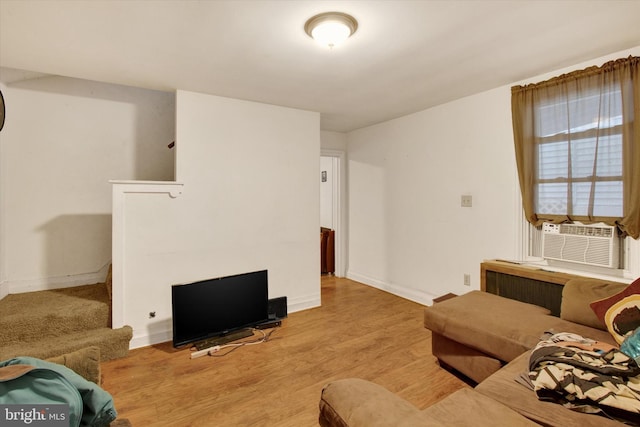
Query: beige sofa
pixel 488 338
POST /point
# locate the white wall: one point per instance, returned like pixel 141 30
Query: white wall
pixel 407 231
pixel 250 201
pixel 63 140
pixel 330 140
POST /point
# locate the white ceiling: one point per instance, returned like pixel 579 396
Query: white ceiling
pixel 405 57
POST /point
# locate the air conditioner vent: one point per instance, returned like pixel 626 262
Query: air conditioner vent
pixel 585 244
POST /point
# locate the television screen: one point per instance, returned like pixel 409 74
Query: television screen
pixel 218 306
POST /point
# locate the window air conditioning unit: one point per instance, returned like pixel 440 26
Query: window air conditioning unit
pixel 585 244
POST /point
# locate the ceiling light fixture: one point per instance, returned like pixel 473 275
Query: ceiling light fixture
pixel 331 28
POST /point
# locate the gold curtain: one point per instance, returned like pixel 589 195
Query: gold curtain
pixel 621 74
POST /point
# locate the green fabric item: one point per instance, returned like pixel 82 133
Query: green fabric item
pixel 42 386
pixel 96 407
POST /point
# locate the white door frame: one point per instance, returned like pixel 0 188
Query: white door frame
pixel 339 214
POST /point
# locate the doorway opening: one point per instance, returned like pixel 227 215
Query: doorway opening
pixel 332 165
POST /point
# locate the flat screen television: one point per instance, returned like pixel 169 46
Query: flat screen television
pixel 216 307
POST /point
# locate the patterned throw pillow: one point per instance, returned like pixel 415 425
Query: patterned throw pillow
pixel 620 312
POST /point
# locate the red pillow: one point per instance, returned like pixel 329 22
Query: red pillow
pixel 600 307
pixel 620 312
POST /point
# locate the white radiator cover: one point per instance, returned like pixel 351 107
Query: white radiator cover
pixel 585 244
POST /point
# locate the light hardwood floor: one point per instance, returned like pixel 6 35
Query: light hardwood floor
pixel 358 332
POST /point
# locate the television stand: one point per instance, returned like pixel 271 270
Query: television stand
pixel 223 339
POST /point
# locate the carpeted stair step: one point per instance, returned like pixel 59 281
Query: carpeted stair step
pixel 113 343
pixel 50 323
pixel 37 316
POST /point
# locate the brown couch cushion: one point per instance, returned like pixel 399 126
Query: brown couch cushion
pixel 468 408
pixel 355 402
pixel 556 324
pixel 503 388
pixel 500 327
pixel 578 294
pixel 84 362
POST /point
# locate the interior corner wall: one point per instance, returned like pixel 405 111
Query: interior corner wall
pixel 250 201
pixel 62 142
pixel 4 288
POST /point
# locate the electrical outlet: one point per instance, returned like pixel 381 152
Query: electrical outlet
pixel 466 201
pixel 467 280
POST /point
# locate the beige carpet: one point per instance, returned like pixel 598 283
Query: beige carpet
pixel 30 316
pixel 48 323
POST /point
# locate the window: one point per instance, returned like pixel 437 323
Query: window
pixel 579 158
pixel 577 141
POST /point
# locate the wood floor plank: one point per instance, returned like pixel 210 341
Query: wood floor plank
pixel 359 332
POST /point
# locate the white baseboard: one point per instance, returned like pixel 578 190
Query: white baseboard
pixel 56 282
pixel 4 290
pixel 361 278
pixel 414 295
pixel 150 339
pixel 303 303
pixel 411 294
